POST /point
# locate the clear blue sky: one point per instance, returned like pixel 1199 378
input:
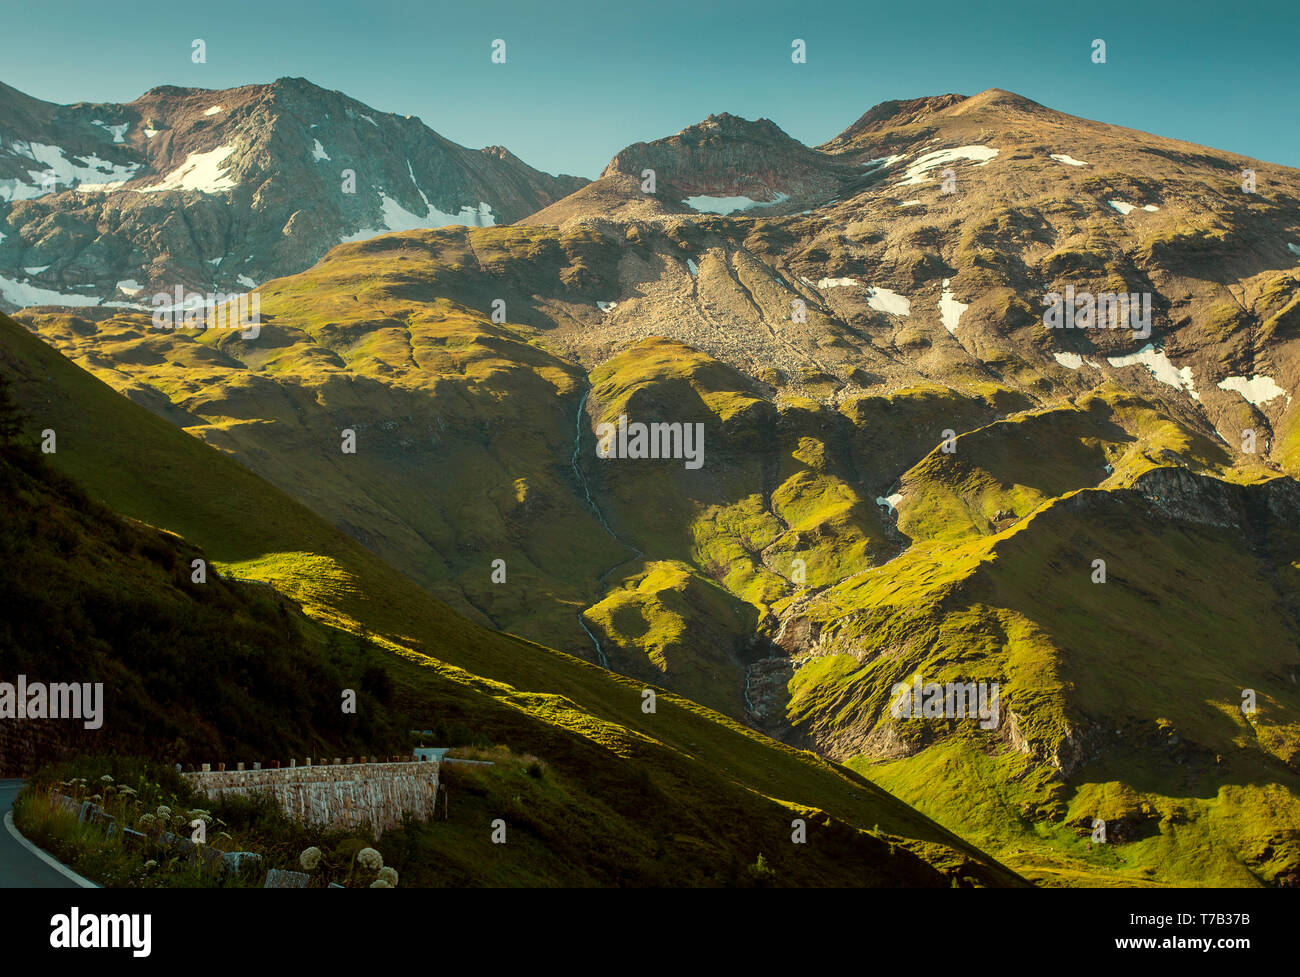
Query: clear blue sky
pixel 584 78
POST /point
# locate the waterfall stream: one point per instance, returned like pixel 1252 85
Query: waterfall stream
pixel 586 490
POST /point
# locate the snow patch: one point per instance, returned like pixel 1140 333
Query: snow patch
pixel 24 294
pixel 883 300
pixel 150 133
pixel 395 217
pixel 890 502
pixel 371 121
pixel 692 266
pixel 318 151
pixel 881 162
pixel 1294 248
pixel 36 270
pixel 215 109
pixel 411 172
pixel 1069 160
pixel 1122 207
pixel 56 170
pixel 1258 390
pixel 880 299
pixel 246 281
pixel 1072 361
pixel 909 203
pixel 118 132
pixel 130 287
pixel 1158 363
pixel 200 171
pixel 916 173
pixel 607 306
pixel 950 309
pixel 1150 208
pixel 730 205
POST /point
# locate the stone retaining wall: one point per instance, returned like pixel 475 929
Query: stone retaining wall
pixel 340 795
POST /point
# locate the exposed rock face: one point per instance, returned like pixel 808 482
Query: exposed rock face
pixel 218 190
pixel 765 693
pixel 1076 747
pixel 797 635
pixel 1181 494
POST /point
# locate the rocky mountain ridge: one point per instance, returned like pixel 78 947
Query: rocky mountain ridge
pixel 221 190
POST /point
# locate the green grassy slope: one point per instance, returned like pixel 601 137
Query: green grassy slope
pixel 200 670
pixel 1120 700
pixel 730 786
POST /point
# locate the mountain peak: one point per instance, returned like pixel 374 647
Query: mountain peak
pixel 273 151
pixel 723 164
pixel 904 119
pixel 892 114
pixel 999 98
pixel 721 141
pixel 174 91
pixel 726 156
pixel 735 126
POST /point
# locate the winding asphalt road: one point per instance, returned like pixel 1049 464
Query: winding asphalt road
pixel 20 867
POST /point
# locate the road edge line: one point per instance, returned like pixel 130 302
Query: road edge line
pixel 46 857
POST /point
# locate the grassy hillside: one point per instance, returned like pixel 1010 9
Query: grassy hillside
pixel 684 787
pixel 195 670
pixel 1120 700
